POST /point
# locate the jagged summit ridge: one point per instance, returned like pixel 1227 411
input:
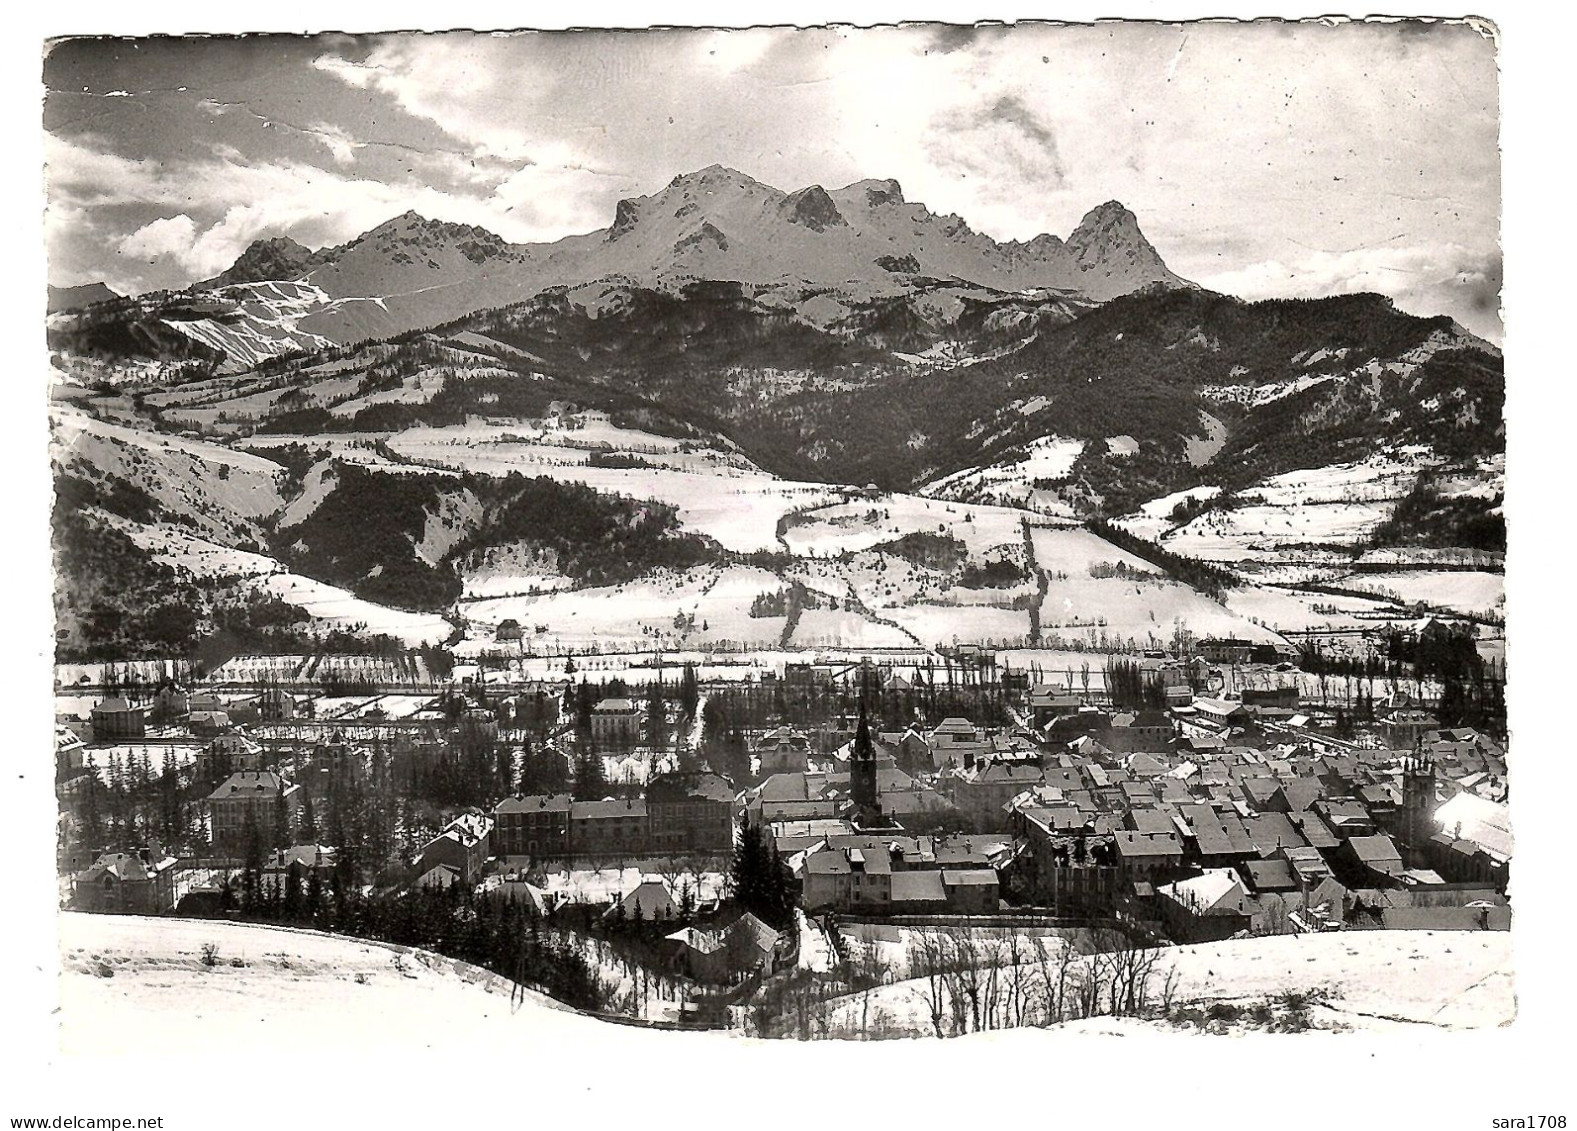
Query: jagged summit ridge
pixel 715 223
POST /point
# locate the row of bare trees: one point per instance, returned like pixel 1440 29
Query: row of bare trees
pixel 971 979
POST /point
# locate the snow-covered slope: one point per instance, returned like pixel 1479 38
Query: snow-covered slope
pixel 1385 981
pixel 130 983
pixel 223 492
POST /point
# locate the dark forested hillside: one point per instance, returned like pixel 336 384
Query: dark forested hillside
pixel 369 531
pixel 364 535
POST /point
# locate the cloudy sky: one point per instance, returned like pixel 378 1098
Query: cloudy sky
pixel 1261 159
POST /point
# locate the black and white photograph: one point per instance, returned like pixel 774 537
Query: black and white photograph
pixel 979 539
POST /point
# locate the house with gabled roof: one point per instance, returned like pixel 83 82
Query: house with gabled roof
pixel 1375 858
pixel 1315 832
pixel 141 882
pixel 1206 908
pixel 783 750
pixel 689 812
pixel 464 844
pixel 616 722
pixel 1271 833
pixel 957 743
pixel 1147 856
pixel 650 900
pixel 610 827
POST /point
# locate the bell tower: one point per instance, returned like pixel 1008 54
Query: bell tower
pixel 1418 805
pixel 862 773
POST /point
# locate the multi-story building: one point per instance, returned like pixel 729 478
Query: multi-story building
pixel 983 791
pixel 141 882
pixel 117 718
pixel 1225 649
pixel 957 743
pixel 607 828
pixel 783 751
pixel 536 826
pixel 255 797
pixel 689 812
pixel 616 722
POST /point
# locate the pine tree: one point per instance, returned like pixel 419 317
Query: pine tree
pixel 281 830
pixel 591 783
pixel 506 768
pixel 252 868
pixel 656 716
pixel 92 817
pixel 689 692
pixel 294 904
pixel 314 905
pixel 585 700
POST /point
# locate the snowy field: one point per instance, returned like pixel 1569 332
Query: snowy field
pixel 129 983
pixel 1375 980
pixel 329 606
pixel 945 625
pixel 849 628
pixel 860 524
pixel 1146 612
pixel 1011 481
pixel 510 570
pixel 220 488
pixel 333 607
pixel 1121 609
pixel 1461 591
pixel 1286 610
pixel 1155 518
pixel 1297 512
pixel 182 550
pixel 604 885
pixel 641 614
pixel 717 493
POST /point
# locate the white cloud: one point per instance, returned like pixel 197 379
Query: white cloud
pixel 1383 269
pixel 170 237
pixel 1423 279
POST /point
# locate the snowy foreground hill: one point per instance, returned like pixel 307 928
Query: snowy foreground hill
pixel 128 980
pixel 129 983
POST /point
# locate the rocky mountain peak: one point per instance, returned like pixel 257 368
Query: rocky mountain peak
pixel 279 257
pixel 814 209
pixel 1105 224
pixel 874 193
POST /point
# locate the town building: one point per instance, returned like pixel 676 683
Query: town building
pixel 1206 908
pixel 616 722
pixel 141 882
pixel 1225 650
pixel 783 751
pixel 251 798
pixel 689 812
pixel 464 845
pixel 957 743
pixel 116 718
pixel 607 828
pixel 536 826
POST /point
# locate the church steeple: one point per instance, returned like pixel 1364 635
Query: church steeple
pixel 1418 805
pixel 862 770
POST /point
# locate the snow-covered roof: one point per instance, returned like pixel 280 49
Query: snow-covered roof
pixel 1216 890
pixel 1480 821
